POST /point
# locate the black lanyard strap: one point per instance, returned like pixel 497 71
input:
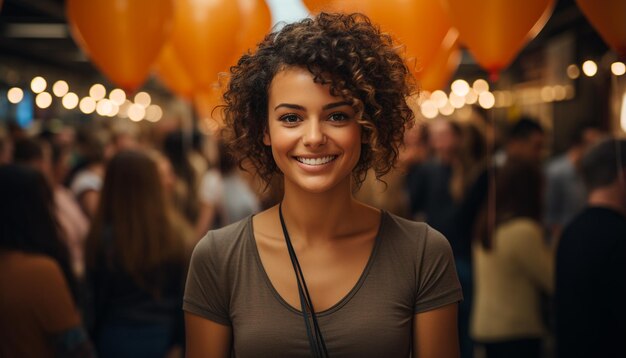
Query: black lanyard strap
pixel 316 340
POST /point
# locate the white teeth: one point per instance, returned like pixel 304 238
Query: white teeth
pixel 316 161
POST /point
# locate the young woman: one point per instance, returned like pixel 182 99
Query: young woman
pixel 37 286
pixel 319 103
pixel 136 261
pixel 513 267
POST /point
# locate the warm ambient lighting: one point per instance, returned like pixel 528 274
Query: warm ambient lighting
pixel 87 105
pixel 460 88
pixel 486 100
pixel 15 95
pixel 38 84
pixel 97 92
pixel 618 68
pixel 117 96
pixel 143 99
pixel 439 98
pixel 573 72
pixel 136 112
pixel 60 88
pixel 471 97
pixel 154 113
pixel 43 100
pixel 70 100
pixel 480 86
pixel 590 68
pixel 428 109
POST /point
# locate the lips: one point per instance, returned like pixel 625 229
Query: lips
pixel 317 160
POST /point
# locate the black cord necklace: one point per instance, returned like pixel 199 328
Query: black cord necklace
pixel 316 340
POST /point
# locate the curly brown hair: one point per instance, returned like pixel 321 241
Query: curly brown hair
pixel 346 51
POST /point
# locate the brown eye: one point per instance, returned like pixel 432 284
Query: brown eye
pixel 289 118
pixel 338 117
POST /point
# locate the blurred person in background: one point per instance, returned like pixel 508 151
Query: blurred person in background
pixel 37 287
pixel 136 263
pixel 565 191
pixel 85 177
pixel 390 192
pixel 50 159
pixel 525 141
pixel 513 267
pixel 590 297
pixel 227 194
pixel 177 149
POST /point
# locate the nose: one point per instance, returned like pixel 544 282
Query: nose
pixel 313 135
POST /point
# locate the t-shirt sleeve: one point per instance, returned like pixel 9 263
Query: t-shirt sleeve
pixel 206 290
pixel 438 283
pixel 55 308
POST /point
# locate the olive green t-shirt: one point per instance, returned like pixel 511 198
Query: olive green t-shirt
pixel 410 270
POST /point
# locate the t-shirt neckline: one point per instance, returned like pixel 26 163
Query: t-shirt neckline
pixel 344 300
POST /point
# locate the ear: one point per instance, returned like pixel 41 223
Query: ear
pixel 266 138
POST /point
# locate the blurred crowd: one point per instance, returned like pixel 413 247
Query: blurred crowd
pixel 97 226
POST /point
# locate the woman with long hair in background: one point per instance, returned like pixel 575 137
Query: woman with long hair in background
pixel 38 289
pixel 136 262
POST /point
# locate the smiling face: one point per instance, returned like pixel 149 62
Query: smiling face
pixel 314 136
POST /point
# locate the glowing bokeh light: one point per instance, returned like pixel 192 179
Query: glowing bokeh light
pixel 460 87
pixel 618 68
pixel 471 97
pixel 573 71
pixel 43 100
pixel 60 88
pixel 457 101
pixel 117 96
pixel 38 84
pixel 143 99
pixel 104 107
pixel 480 86
pixel 590 68
pixel 136 112
pixel 439 98
pixel 97 92
pixel 87 105
pixel 70 100
pixel 486 100
pixel 15 95
pixel 429 109
pixel 154 113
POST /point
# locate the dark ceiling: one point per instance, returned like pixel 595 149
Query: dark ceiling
pixel 35 33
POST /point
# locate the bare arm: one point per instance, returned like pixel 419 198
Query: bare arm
pixel 205 338
pixel 435 333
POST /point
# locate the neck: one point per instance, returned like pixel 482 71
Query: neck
pixel 610 197
pixel 315 217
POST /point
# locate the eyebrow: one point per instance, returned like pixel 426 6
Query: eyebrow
pixel 325 107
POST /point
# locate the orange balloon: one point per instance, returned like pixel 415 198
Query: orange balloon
pixel 256 21
pixel 420 25
pixel 609 19
pixel 441 69
pixel 206 102
pixel 496 30
pixel 122 38
pixel 204 35
pixel 315 6
pixel 171 72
